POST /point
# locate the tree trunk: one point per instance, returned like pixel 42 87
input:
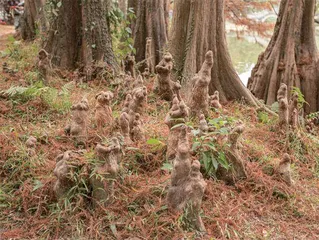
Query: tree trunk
pixel 290 57
pixel 33 17
pixel 199 26
pixel 80 35
pixel 123 6
pixel 151 22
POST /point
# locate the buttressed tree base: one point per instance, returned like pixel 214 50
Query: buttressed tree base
pixel 291 56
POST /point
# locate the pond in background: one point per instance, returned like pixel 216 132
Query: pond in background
pixel 244 54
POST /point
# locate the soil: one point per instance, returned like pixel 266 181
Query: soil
pixel 6 29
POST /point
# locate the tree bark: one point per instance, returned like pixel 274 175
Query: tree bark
pixel 123 6
pixel 199 26
pixel 80 35
pixel 290 57
pixel 151 22
pixel 33 18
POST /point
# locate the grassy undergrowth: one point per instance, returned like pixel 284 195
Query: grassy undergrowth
pixel 260 207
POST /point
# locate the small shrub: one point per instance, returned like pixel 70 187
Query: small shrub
pixel 263 117
pixel 301 97
pixel 58 100
pixel 210 153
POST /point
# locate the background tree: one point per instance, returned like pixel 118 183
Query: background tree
pixel 123 6
pixel 151 21
pixel 33 17
pixel 290 57
pixel 237 12
pixel 199 26
pixel 80 36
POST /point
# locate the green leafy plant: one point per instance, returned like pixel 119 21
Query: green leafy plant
pixel 58 100
pixel 275 107
pixel 121 32
pixel 155 143
pixel 313 115
pixel 25 93
pixel 301 97
pixel 263 117
pixel 167 167
pixel 210 153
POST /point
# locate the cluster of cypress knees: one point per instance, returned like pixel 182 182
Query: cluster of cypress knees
pixel 187 185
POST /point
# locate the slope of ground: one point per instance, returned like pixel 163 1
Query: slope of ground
pixel 260 207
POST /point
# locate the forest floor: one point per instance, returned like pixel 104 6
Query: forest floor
pixel 259 207
pixel 5 30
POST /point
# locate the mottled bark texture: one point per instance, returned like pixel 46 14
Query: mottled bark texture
pixel 103 110
pixel 67 164
pixel 282 98
pixel 237 169
pixel 197 27
pixel 198 102
pixel 123 6
pixel 139 99
pixel 105 172
pixel 151 22
pixel 203 125
pixel 80 36
pixel 137 131
pixel 33 17
pixel 149 58
pixel 187 184
pixel 283 170
pixel 164 86
pixel 31 144
pixel 129 65
pixel 79 122
pixel 294 111
pixel 177 114
pixel 291 56
pixel 125 127
pixel 214 100
pixel 133 107
pixel 43 65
